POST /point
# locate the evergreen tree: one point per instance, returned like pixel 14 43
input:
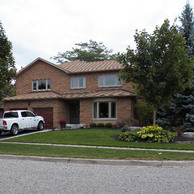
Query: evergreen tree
pixel 187 28
pixel 180 114
pixel 7 64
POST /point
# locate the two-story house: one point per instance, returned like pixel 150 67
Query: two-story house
pixel 78 92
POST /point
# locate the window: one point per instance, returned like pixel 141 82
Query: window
pixel 27 114
pixel 78 82
pixel 41 85
pixel 104 110
pixel 11 115
pixel 108 80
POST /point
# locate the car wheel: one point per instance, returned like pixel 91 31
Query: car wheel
pixel 14 129
pixel 40 125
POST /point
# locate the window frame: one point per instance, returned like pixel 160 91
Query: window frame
pixel 96 113
pixel 102 83
pixel 77 82
pixel 36 82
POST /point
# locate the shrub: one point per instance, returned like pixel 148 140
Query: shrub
pixel 108 125
pixel 129 122
pixel 149 134
pixel 100 125
pixel 128 136
pixel 144 113
pixel 155 134
pixel 92 125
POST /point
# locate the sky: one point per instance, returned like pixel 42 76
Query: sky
pixel 42 28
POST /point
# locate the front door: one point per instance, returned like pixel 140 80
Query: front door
pixel 74 111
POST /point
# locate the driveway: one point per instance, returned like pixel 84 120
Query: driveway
pixel 7 135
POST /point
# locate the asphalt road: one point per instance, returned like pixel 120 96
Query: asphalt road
pixel 27 177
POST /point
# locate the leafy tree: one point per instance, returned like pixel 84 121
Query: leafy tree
pixel 7 64
pixel 87 52
pixel 159 67
pixel 179 115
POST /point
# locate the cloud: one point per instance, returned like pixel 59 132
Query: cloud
pixel 42 28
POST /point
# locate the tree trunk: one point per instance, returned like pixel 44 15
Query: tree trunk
pixel 154 116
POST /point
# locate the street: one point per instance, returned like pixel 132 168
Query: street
pixel 28 177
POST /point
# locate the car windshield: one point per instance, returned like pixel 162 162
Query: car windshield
pixel 11 115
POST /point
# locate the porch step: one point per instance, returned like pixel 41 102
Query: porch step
pixel 75 126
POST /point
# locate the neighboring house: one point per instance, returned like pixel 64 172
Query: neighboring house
pixel 78 92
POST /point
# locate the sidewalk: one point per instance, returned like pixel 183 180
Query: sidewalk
pixel 104 147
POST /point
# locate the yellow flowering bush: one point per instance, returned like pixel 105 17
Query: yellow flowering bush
pixel 149 134
pixel 155 134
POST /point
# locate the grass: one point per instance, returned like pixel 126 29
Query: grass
pixel 71 152
pixel 94 137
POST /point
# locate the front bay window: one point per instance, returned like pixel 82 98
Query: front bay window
pixel 38 85
pixel 104 110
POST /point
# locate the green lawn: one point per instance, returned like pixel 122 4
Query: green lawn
pixel 72 152
pixel 94 137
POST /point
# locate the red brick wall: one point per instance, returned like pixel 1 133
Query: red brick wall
pixel 86 111
pixel 41 70
pixel 124 111
pixel 60 81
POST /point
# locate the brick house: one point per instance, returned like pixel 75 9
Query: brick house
pixel 78 92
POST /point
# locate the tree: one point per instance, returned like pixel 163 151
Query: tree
pixel 87 52
pixel 159 67
pixel 7 64
pixel 179 115
pixel 187 28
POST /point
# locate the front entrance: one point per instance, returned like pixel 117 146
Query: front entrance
pixel 74 111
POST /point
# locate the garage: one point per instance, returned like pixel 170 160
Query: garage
pixel 47 114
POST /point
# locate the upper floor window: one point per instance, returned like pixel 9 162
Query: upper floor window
pixel 78 82
pixel 108 80
pixel 41 84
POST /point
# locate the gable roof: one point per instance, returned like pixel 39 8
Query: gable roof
pixel 86 67
pixel 43 60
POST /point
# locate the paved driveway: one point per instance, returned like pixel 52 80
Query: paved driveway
pixel 7 135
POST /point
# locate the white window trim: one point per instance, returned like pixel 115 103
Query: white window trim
pixel 109 111
pixel 37 85
pixel 84 85
pixel 104 84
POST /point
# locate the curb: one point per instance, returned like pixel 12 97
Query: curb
pixel 145 163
